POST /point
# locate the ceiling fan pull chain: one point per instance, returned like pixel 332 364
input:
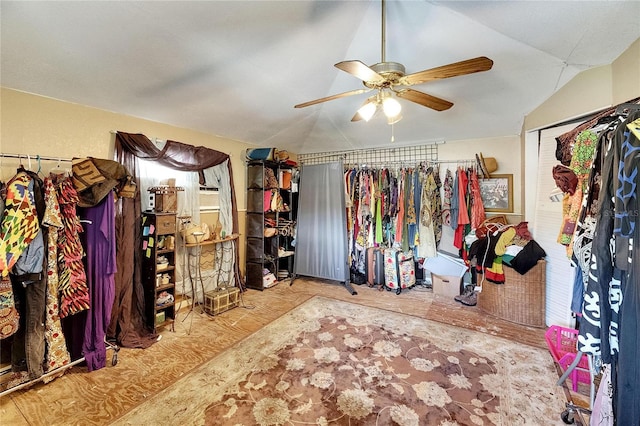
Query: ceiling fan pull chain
pixel 393 138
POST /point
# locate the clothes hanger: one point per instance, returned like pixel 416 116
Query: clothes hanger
pixel 39 172
pixel 20 165
pixel 57 170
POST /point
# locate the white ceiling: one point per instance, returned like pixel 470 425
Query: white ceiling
pixel 237 68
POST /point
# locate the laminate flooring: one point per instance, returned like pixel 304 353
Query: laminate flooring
pixel 102 396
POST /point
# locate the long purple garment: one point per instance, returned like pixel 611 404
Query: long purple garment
pixel 100 247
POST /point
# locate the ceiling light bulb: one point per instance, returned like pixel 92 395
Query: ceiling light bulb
pixel 367 110
pixel 391 107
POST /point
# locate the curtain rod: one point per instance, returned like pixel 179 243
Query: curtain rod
pixel 35 157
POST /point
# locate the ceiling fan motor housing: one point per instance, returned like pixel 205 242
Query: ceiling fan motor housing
pixel 391 71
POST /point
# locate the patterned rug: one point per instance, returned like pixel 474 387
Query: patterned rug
pixel 329 362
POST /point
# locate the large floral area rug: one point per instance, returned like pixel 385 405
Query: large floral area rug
pixel 330 362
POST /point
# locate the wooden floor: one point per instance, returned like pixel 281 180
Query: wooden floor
pixel 102 396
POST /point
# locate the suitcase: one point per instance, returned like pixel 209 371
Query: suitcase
pixel 374 259
pixel 399 270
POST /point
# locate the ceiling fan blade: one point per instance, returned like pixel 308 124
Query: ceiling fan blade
pixel 469 66
pixel 332 97
pixel 423 99
pixel 360 70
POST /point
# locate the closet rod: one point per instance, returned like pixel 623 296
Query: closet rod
pixel 451 161
pixel 35 157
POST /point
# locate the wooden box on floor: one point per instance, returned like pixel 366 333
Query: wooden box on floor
pixel 521 299
pixel 218 301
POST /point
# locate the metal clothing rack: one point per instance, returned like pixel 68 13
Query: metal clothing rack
pixel 37 158
pixel 29 157
pixel 59 370
pixel 407 155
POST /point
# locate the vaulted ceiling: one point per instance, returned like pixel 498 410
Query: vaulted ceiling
pixel 237 68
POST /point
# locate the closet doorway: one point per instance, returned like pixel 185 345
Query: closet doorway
pixel 547 221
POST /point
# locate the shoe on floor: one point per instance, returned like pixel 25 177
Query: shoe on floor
pixel 470 300
pixel 467 291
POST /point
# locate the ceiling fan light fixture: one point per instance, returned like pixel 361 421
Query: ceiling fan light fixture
pixel 391 107
pixel 367 110
pixel 394 119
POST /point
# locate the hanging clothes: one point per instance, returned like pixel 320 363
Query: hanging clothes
pixel 583 153
pixel 446 204
pixel 463 212
pixel 409 214
pixel 477 208
pixel 401 208
pixel 611 308
pixel 19 221
pixel 19 228
pixel 29 286
pixel 417 196
pixel 57 354
pixel 454 202
pixel 437 206
pixel 74 292
pixel 379 203
pixel 99 241
pixel 427 247
pixel 626 230
pixel 586 223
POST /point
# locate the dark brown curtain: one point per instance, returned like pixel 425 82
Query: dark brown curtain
pixel 128 324
pixel 179 156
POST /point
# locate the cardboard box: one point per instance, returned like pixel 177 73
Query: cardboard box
pixel 218 301
pixel 447 273
pixel 446 285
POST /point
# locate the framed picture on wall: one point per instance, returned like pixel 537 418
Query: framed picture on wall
pixel 497 193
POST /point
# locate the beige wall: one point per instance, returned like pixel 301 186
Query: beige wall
pixel 626 72
pixel 35 125
pixel 591 90
pixel 504 149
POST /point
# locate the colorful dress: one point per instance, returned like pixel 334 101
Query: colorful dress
pixel 57 354
pixel 74 292
pixel 581 161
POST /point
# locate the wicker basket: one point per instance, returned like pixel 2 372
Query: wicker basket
pixel 521 299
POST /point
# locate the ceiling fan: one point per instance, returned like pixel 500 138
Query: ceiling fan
pixel 389 78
